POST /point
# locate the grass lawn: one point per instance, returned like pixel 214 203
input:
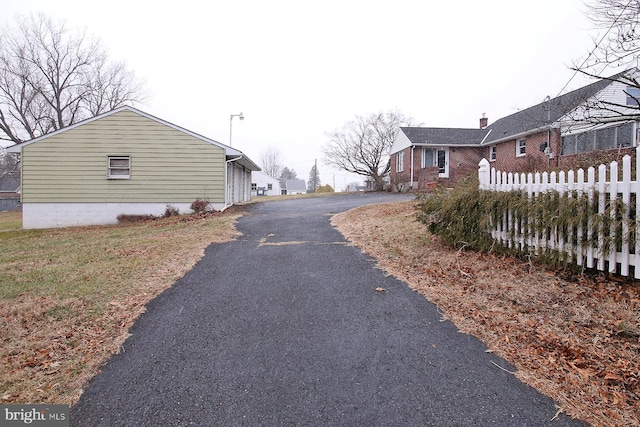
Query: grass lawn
pixel 574 338
pixel 10 221
pixel 69 296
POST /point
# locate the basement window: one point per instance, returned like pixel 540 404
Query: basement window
pixel 119 167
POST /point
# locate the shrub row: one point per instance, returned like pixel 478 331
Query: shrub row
pixel 464 216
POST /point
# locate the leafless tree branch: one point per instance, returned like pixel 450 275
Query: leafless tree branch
pixel 362 146
pixel 51 77
pixel 271 160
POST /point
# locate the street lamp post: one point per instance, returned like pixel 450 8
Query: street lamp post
pixel 241 116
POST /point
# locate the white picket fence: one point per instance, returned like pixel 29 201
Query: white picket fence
pixel 510 232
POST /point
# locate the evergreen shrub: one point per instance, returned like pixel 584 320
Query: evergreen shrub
pixel 464 216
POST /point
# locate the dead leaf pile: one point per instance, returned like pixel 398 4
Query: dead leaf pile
pixel 576 339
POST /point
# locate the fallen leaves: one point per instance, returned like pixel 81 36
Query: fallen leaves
pixel 575 338
pixel 57 327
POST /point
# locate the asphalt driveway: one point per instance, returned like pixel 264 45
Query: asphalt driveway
pixel 284 327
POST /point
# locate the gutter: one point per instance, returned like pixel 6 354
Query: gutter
pixel 424 144
pixel 412 148
pixel 518 135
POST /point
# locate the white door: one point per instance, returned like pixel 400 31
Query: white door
pixel 442 161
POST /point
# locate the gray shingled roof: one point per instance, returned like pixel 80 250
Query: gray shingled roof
pixel 296 185
pixel 444 136
pixel 524 121
pixel 10 182
pixel 543 114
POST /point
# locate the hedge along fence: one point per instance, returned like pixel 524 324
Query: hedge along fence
pixel 589 222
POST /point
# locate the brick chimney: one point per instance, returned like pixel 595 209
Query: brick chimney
pixel 483 121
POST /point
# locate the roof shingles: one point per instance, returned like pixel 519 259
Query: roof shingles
pixel 525 121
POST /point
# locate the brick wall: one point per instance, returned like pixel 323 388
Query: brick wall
pixel 427 178
pixel 534 160
pixel 401 181
pixel 463 161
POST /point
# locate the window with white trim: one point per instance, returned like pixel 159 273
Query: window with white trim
pixel 400 162
pixel 492 153
pixel 633 96
pixel 521 147
pixel 119 167
pixel 427 158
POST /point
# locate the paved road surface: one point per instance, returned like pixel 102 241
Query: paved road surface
pixel 283 327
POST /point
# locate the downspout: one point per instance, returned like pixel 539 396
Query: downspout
pixel 227 202
pixel 412 148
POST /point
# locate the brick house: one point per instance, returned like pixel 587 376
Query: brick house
pixel 552 134
pixel 423 157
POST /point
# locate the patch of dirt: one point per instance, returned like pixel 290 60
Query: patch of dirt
pixel 574 338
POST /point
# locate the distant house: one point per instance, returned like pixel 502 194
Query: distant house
pixel 547 135
pixel 295 186
pixel 125 162
pixel 423 157
pixel 9 191
pixel 264 185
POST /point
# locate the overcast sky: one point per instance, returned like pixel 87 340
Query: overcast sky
pixel 299 69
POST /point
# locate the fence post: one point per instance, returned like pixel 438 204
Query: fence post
pixel 625 188
pixel 484 174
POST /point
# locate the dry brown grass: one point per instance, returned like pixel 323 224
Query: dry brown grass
pixel 576 339
pixel 69 296
pixel 10 220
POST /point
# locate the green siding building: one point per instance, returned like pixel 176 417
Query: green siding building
pixel 125 162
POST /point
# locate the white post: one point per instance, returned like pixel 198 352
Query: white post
pixel 484 174
pixel 625 189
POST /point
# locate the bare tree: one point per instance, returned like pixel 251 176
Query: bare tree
pixel 51 77
pixel 362 146
pixel 113 85
pixel 271 160
pixel 618 47
pixel 9 163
